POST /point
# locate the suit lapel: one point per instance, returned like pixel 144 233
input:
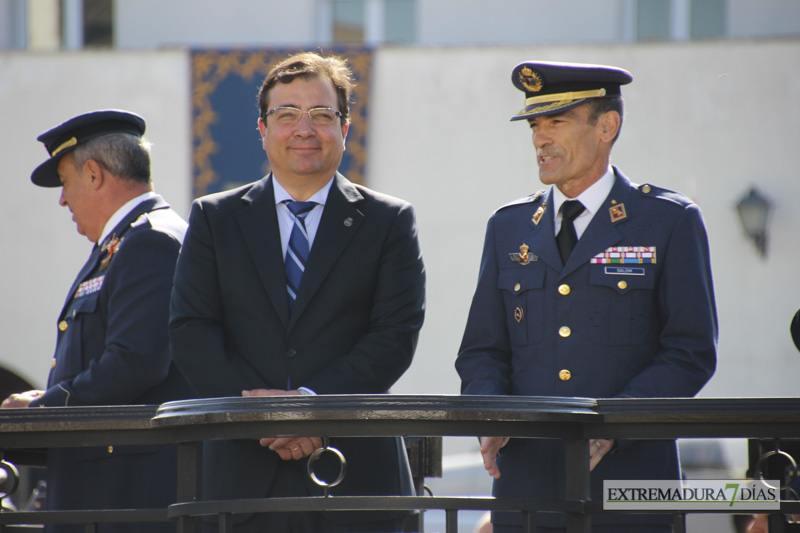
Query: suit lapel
pixel 602 231
pixel 258 222
pixel 340 221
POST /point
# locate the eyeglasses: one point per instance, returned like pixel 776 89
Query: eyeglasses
pixel 321 116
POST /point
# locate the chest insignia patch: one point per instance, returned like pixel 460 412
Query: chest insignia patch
pixel 626 255
pixel 523 257
pixel 89 286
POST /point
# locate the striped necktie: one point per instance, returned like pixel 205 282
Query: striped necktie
pixel 297 251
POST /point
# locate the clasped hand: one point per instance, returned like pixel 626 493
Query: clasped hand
pixel 21 399
pixel 490 447
pixel 288 448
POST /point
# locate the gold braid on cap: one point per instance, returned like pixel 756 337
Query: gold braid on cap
pixel 565 97
pixel 64 146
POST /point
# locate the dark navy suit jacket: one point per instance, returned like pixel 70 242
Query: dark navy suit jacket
pixel 593 327
pixel 113 349
pixel 353 330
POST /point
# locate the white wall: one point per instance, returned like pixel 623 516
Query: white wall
pixel 41 251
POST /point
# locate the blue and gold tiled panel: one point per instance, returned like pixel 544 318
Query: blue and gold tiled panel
pixel 226 147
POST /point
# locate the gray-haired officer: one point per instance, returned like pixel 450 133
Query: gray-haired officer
pixel 592 287
pixel 112 346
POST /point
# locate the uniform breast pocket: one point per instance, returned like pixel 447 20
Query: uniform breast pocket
pixel 82 323
pixel 523 298
pixel 622 305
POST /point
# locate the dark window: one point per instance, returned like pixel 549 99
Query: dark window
pixel 98 23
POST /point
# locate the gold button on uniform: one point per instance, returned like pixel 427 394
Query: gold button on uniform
pixel 53 363
pixel 110 449
pixel 622 285
pixel 517 287
pixel 563 289
pixel 646 189
pixel 564 331
pixel 63 325
pixel 565 375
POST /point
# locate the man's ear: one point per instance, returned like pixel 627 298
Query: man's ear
pixel 609 125
pixel 95 173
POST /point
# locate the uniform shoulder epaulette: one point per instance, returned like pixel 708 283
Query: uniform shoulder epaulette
pixel 140 221
pixel 660 193
pixel 524 200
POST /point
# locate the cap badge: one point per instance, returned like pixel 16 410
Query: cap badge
pixel 617 212
pixel 530 79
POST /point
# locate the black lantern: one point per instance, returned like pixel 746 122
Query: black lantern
pixel 754 212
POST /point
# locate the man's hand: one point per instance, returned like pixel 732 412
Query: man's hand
pixel 293 448
pixel 21 399
pixel 490 447
pixel 597 449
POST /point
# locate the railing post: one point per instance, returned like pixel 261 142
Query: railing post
pixel 578 484
pixel 190 480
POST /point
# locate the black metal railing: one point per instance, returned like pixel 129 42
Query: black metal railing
pixel 575 420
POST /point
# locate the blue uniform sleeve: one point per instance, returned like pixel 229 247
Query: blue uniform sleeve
pixel 484 358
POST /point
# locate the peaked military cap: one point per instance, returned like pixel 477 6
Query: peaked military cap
pixel 552 88
pixel 62 139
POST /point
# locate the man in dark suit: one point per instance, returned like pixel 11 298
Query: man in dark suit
pixel 610 299
pixel 113 341
pixel 255 313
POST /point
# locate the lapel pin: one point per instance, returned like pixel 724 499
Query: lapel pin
pixel 348 222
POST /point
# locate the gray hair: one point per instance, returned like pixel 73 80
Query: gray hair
pixel 124 155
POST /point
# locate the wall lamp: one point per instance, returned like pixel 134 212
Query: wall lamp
pixel 754 210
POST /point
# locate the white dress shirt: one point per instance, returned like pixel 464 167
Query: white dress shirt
pixel 592 199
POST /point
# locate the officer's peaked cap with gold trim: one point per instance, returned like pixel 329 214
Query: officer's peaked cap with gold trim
pixel 62 139
pixel 552 88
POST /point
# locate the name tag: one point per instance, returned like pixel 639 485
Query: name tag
pixel 623 271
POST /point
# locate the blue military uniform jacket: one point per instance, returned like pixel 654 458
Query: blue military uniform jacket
pixel 631 314
pixel 113 349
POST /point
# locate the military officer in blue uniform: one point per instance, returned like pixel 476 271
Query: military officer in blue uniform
pixel 112 341
pixel 611 297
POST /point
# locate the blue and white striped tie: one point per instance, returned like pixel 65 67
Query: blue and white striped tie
pixel 297 251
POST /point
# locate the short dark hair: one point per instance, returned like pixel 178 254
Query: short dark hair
pixel 310 65
pixel 124 155
pixel 599 106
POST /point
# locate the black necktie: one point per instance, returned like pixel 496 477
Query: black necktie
pixel 567 238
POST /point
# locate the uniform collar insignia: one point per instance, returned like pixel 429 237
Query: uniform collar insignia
pixel 110 246
pixel 537 216
pixel 617 212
